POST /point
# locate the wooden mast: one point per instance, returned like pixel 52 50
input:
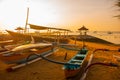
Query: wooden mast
pixel 26 20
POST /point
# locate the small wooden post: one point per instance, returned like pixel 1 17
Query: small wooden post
pixel 65 56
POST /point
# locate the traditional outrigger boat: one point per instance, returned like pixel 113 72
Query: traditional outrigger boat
pixel 19 54
pixel 75 67
pixel 71 71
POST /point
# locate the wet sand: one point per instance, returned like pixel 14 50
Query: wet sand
pixel 44 70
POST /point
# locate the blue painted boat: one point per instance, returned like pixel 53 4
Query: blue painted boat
pixel 72 70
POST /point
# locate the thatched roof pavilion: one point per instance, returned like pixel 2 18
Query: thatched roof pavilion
pixel 83 29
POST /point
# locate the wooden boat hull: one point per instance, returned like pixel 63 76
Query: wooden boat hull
pixel 72 71
pixel 38 38
pixel 16 66
pixel 21 58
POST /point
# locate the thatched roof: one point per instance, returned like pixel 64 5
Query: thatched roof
pixel 83 28
pixel 19 28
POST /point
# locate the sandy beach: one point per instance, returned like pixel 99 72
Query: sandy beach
pixel 91 27
pixel 44 70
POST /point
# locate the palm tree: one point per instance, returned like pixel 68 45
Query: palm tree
pixel 118 5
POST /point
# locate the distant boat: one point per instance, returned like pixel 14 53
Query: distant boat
pixel 27 37
pixel 109 32
pixel 20 36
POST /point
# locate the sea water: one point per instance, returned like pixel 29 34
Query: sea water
pixel 111 37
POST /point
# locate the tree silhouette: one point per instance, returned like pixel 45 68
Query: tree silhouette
pixel 118 5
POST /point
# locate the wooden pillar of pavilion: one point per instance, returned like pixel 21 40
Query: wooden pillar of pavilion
pixel 83 32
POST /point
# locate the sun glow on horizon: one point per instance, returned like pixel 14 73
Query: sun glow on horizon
pixel 14 13
pixel 68 14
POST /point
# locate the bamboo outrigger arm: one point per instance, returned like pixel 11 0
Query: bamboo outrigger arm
pixel 105 50
pixel 100 63
pixel 53 61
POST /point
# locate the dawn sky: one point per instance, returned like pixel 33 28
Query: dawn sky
pixel 69 14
